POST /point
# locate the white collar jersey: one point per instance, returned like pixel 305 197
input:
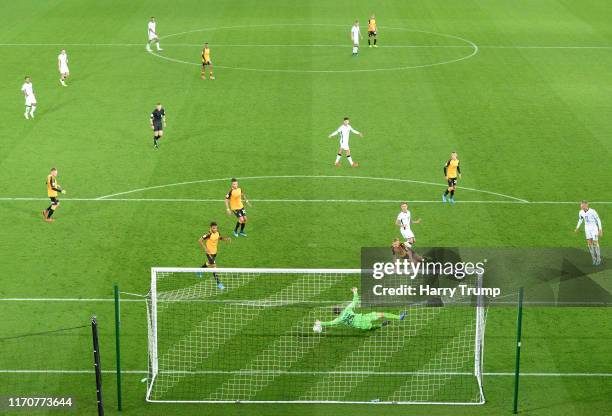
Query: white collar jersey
pixel 27 89
pixel 344 131
pixel 355 31
pixel 590 218
pixel 63 58
pixel 404 219
pixel 152 27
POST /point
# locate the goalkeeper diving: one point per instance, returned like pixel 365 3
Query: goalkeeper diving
pixel 363 321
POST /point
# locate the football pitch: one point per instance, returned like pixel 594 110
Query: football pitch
pixel 521 90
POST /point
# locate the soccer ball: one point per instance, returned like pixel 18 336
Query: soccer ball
pixel 317 328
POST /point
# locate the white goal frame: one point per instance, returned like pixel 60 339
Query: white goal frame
pixel 480 322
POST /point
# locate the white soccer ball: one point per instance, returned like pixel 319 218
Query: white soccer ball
pixel 317 328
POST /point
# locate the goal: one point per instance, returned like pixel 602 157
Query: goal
pixel 253 341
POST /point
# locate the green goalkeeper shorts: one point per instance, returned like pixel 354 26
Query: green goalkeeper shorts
pixel 365 321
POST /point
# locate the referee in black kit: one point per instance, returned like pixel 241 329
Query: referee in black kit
pixel 158 122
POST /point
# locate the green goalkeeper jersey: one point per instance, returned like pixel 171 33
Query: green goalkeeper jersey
pixel 349 318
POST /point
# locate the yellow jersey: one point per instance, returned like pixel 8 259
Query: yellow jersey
pixel 235 199
pixel 53 187
pixel 451 168
pixel 212 240
pixel 206 55
pixel 372 25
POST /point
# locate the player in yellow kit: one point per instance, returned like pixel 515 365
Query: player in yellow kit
pixel 233 204
pixel 206 62
pixel 209 242
pixel 452 172
pixel 53 189
pixel 372 31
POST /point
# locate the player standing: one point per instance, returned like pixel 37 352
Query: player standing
pixel 355 36
pixel 152 34
pixel 451 172
pixel 363 321
pixel 593 229
pixel 158 122
pixel 344 131
pixel 372 31
pixel 62 66
pixel 209 243
pixel 206 62
pixel 30 99
pixel 233 203
pixel 53 189
pixel 404 221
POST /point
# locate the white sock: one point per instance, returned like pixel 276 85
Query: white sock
pixel 338 157
pixel 27 109
pixel 32 109
pixel 350 159
pixel 157 43
pixel 597 254
pixel 592 251
pixel 354 49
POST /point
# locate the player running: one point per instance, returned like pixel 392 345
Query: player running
pixel 355 36
pixel 372 31
pixel 363 321
pixel 158 122
pixel 404 221
pixel 452 172
pixel 53 189
pixel 206 62
pixel 209 242
pixel 62 66
pixel 593 229
pixel 30 99
pixel 233 204
pixel 152 35
pixel 344 131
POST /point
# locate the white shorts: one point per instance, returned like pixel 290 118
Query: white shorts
pixel 152 36
pixel 356 41
pixel 30 100
pixel 64 69
pixel 344 144
pixel 406 233
pixel 591 233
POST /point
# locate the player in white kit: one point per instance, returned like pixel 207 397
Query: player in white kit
pixel 355 36
pixel 152 35
pixel 344 131
pixel 592 229
pixel 62 66
pixel 404 221
pixel 30 99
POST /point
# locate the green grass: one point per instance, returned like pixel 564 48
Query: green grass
pixel 529 123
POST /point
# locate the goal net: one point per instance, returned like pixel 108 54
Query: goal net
pixel 253 341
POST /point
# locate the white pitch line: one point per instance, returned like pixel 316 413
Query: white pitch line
pixel 384 373
pixel 338 201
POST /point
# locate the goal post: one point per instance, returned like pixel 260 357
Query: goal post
pixel 246 335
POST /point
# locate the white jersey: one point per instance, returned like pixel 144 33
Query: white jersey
pixel 355 32
pixel 592 223
pixel 28 91
pixel 152 30
pixel 344 131
pixel 404 219
pixel 62 58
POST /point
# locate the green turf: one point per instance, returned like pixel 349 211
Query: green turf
pixel 528 123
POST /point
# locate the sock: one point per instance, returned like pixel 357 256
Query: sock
pixel 446 193
pixel 452 193
pixel 598 253
pixel 155 138
pixel 375 41
pixel 50 212
pixel 354 49
pixel 27 111
pixel 236 227
pixel 391 316
pixel 338 157
pixel 216 278
pixel 32 109
pixel 368 41
pixel 350 159
pixel 157 43
pixel 592 251
pixel 242 227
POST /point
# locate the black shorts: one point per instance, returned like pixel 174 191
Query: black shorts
pixel 371 33
pixel 158 126
pixel 240 212
pixel 206 63
pixel 211 259
pixel 452 181
pixel 54 200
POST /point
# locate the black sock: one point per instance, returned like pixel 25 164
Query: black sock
pixel 242 226
pixel 155 140
pixel 446 193
pixel 452 193
pixel 204 266
pixel 368 41
pixel 50 212
pixel 375 41
pixel 236 227
pixel 216 278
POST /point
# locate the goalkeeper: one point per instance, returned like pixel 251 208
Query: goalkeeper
pixel 363 321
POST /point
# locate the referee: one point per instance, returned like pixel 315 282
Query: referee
pixel 158 122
